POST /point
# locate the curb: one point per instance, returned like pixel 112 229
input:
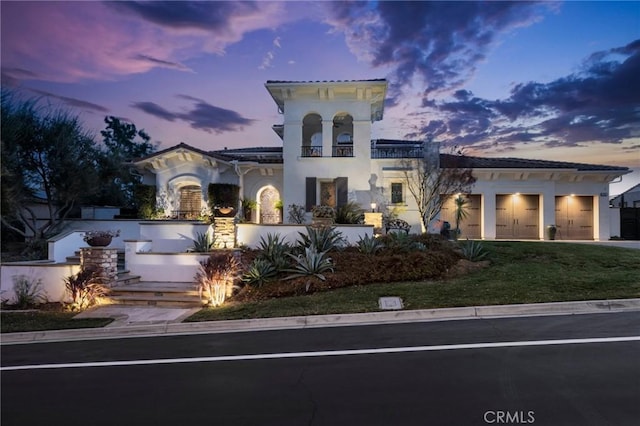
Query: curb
pixel 318 321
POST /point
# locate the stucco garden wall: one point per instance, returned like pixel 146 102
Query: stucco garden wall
pixel 50 275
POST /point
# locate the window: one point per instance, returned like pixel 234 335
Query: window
pixel 396 193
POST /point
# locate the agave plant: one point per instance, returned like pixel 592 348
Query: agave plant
pixel 259 272
pixel 274 250
pixel 216 276
pixel 473 250
pixel 349 213
pixel 403 242
pixel 369 245
pixel 311 264
pixel 322 239
pixel 202 243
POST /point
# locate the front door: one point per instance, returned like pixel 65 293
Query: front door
pixel 268 212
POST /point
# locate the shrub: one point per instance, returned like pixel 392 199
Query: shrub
pixel 327 212
pixel 369 245
pixel 349 213
pixel 473 250
pixel 296 213
pixel 85 289
pixel 145 201
pixel 28 291
pixel 402 242
pixel 322 239
pixel 223 195
pixel 216 275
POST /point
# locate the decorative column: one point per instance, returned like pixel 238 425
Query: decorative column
pixel 103 260
pixel 375 219
pixel 224 232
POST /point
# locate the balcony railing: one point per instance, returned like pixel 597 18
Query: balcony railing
pixel 342 151
pixel 397 152
pixel 311 151
pixel 185 214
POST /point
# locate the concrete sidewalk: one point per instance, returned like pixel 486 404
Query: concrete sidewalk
pixel 150 322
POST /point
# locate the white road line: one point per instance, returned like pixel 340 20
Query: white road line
pixel 348 352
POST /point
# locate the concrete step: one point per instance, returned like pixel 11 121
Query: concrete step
pixel 176 294
pixel 125 278
pixel 173 301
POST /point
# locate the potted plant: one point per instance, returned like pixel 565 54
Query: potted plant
pixel 248 205
pixel 100 238
pixel 323 215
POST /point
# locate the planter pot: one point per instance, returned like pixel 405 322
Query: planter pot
pixel 322 221
pixel 99 241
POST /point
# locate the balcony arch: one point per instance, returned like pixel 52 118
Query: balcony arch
pixel 311 135
pixel 342 137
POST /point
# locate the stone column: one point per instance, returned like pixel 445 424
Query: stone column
pixel 103 260
pixel 224 232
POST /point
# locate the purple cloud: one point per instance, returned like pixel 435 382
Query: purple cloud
pixel 600 102
pixel 201 116
pixel 439 43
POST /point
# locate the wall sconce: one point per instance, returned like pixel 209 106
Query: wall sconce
pixel 373 207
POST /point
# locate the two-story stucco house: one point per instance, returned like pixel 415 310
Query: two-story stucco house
pixel 328 157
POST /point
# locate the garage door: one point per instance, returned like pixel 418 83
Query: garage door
pixel 574 217
pixel 517 216
pixel 470 225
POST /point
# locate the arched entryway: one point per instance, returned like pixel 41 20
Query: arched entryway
pixel 268 198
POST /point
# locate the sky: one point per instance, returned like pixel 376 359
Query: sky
pixel 544 80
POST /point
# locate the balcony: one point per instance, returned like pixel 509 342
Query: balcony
pixel 342 151
pixel 397 152
pixel 311 151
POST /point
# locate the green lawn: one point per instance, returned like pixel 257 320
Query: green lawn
pixel 11 322
pixel 520 272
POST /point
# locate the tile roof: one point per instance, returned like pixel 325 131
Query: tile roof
pixel 273 155
pixel 520 163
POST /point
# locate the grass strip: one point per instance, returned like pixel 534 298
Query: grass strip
pixel 520 272
pixel 11 322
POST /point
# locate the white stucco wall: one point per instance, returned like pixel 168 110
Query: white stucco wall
pixel 250 234
pixel 355 168
pixel 50 275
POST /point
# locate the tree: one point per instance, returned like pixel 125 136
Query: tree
pixel 47 158
pixel 429 183
pixel 122 143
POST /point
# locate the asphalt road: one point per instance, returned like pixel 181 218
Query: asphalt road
pixel 554 370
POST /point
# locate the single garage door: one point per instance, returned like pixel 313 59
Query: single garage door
pixel 470 225
pixel 574 217
pixel 517 216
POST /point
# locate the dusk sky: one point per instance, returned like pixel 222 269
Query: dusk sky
pixel 546 80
